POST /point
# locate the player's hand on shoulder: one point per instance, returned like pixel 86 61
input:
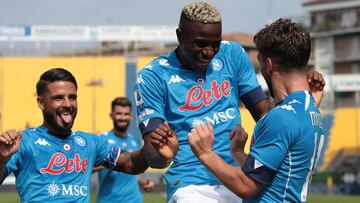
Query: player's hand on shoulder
pixel 201 139
pixel 10 141
pixel 316 84
pixel 165 140
pixel 238 138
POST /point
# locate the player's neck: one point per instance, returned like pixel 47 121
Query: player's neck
pixel 284 84
pixel 56 133
pixel 120 133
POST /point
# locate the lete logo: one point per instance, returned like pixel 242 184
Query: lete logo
pixel 197 96
pixel 59 163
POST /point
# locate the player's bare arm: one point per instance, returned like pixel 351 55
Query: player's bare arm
pixel 10 141
pixel 98 168
pixel 160 146
pixel 201 140
pixel 131 162
pixel 238 138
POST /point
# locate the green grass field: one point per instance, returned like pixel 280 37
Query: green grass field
pixel 158 198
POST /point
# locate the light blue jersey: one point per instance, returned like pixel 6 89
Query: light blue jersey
pixel 52 169
pixel 165 90
pixel 288 141
pixel 116 186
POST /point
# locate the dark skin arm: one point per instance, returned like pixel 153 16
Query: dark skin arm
pixel 131 162
pixel 162 146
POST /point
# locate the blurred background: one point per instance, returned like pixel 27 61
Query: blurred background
pixel 104 43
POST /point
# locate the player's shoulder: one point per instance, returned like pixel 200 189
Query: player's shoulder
pixel 30 134
pixel 160 65
pixel 232 47
pixel 84 135
pixel 281 116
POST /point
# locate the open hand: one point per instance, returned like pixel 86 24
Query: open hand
pixel 165 140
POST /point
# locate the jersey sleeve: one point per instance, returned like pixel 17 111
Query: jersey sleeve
pixel 150 100
pixel 103 149
pixel 249 89
pixel 272 140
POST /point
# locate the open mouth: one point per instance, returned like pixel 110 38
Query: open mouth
pixel 66 117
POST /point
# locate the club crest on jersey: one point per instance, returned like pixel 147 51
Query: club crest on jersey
pixel 216 65
pixel 197 97
pixel 59 163
pixel 80 141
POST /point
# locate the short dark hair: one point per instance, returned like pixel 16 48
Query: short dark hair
pixel 53 75
pixel 285 42
pixel 120 101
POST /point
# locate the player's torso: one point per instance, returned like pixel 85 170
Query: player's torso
pixel 56 169
pixel 192 99
pixel 293 176
pixel 116 186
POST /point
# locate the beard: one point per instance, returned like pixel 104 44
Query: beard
pixel 121 128
pixel 59 129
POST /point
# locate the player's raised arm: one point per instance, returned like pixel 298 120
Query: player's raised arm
pixel 9 144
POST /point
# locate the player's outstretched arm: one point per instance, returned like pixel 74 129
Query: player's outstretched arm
pixel 131 162
pixel 160 146
pixel 201 140
pixel 10 141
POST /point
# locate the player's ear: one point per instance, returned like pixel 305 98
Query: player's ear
pixel 179 35
pixel 40 102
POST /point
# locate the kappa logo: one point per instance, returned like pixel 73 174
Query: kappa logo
pixel 149 66
pixel 288 107
pixel 139 80
pixel 175 79
pixel 164 62
pixel 42 142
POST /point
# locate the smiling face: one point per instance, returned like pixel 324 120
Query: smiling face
pixel 121 116
pixel 198 43
pixel 59 107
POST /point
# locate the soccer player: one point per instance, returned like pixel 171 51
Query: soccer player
pixel 288 141
pixel 116 186
pixel 52 163
pixel 201 81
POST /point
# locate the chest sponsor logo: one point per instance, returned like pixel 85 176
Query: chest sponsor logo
pixel 59 164
pixel 216 118
pixel 54 189
pixel 197 96
pixel 42 142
